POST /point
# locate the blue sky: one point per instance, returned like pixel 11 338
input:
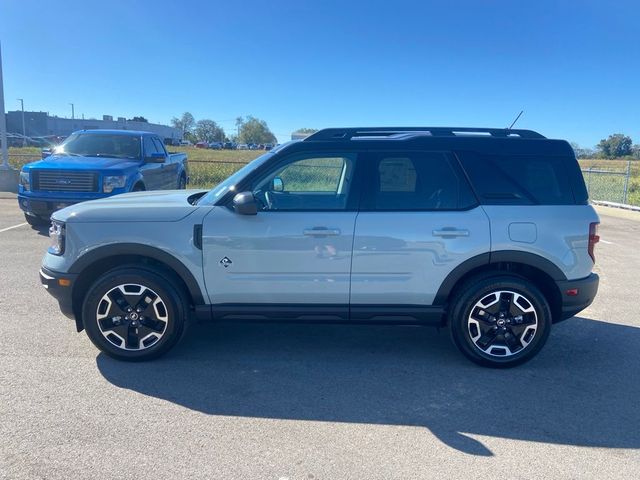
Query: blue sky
pixel 573 66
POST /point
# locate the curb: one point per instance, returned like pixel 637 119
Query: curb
pixel 622 206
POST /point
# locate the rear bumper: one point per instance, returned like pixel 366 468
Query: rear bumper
pixel 586 291
pixel 60 286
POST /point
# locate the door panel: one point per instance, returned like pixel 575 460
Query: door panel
pixel 278 257
pixel 402 258
pixel 419 221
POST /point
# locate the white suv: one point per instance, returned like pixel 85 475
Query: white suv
pixel 487 231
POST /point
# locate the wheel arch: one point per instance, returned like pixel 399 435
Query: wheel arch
pixel 96 262
pixel 542 272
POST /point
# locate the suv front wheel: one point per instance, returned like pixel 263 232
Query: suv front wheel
pixel 499 321
pixel 134 314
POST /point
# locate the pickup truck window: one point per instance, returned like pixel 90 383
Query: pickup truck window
pixel 159 146
pixel 101 145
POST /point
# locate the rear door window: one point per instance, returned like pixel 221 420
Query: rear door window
pixel 416 181
pixel 519 179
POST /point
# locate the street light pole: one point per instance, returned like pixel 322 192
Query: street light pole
pixel 3 123
pixel 73 112
pixel 24 130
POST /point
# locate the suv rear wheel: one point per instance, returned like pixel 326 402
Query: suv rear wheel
pixel 134 314
pixel 499 321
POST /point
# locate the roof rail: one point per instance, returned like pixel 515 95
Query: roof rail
pixel 404 132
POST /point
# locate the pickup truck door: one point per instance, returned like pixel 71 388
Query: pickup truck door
pixel 292 259
pixel 169 169
pixel 152 172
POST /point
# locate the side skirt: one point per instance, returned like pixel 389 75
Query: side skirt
pixel 301 313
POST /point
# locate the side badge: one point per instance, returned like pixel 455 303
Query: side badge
pixel 225 262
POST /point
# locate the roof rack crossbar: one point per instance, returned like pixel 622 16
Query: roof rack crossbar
pixel 349 133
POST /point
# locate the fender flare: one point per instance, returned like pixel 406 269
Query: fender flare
pixel 114 250
pixel 487 259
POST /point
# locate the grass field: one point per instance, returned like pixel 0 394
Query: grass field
pixel 210 167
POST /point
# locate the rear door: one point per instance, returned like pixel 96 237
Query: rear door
pixel 418 221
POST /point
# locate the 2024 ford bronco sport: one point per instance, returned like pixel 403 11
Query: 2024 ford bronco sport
pixel 486 231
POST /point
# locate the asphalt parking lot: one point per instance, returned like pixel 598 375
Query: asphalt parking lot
pixel 317 402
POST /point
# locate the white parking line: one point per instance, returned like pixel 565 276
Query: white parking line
pixel 606 242
pixel 11 228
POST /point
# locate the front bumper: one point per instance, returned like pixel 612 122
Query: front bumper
pixel 44 206
pixel 60 286
pixel 577 295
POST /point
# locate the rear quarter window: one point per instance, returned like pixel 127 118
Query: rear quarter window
pixel 522 179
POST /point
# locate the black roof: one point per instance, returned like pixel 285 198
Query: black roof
pixel 390 133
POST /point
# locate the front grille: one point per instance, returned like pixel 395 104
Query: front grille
pixel 64 181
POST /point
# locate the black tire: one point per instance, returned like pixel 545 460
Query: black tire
pixel 138 187
pixel 489 336
pixel 169 324
pixel 182 182
pixel 36 221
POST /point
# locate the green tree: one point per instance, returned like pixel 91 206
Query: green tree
pixel 139 119
pixel 306 130
pixel 617 145
pixel 185 123
pixel 208 131
pixel 582 152
pixel 254 130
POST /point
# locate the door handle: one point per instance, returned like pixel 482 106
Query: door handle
pixel 321 232
pixel 450 232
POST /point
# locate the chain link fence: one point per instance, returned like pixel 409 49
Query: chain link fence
pixel 617 185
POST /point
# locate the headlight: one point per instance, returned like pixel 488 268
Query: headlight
pixel 56 235
pixel 24 180
pixel 111 182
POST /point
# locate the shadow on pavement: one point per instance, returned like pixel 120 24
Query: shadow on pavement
pixel 582 389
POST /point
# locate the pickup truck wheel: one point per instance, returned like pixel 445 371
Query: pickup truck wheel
pixel 182 182
pixel 134 314
pixel 499 321
pixel 36 221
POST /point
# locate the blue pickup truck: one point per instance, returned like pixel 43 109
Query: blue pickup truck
pixel 92 164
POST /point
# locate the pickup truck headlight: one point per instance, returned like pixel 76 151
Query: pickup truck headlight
pixel 24 181
pixel 56 235
pixel 114 181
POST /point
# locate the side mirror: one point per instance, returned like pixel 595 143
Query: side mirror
pixel 278 185
pixel 244 203
pixel 155 158
pixel 46 152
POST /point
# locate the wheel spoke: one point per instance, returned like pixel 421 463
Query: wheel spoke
pixel 487 338
pixel 117 298
pixel 133 339
pixel 146 298
pixel 483 315
pixel 512 341
pixel 152 324
pixel 506 299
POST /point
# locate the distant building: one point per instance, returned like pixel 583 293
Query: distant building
pixel 299 135
pixel 40 124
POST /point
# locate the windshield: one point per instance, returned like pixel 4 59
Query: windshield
pixel 101 145
pixel 223 187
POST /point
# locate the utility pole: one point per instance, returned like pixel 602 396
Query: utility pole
pixel 3 122
pixel 73 112
pixel 24 130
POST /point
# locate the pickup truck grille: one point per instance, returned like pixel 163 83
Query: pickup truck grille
pixel 64 181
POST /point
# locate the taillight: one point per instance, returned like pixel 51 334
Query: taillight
pixel 593 239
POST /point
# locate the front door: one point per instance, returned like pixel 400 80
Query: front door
pixel 296 252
